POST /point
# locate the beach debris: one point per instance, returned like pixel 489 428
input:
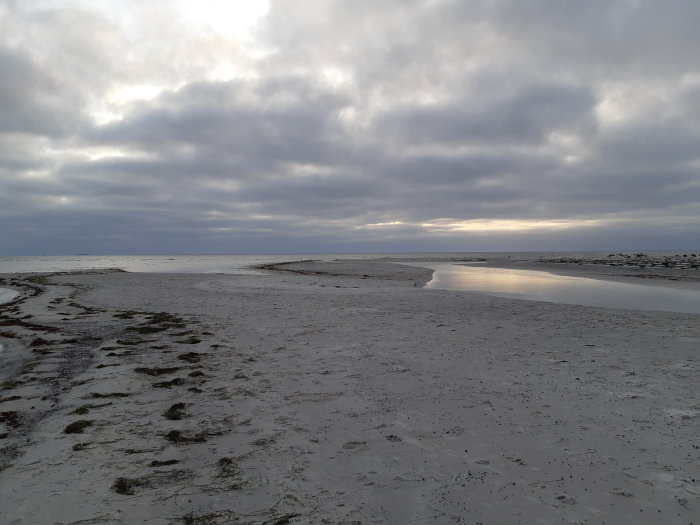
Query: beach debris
pixel 393 438
pixel 81 446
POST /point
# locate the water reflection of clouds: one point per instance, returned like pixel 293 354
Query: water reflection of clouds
pixel 495 280
pixel 542 286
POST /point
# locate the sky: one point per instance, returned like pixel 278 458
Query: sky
pixel 311 126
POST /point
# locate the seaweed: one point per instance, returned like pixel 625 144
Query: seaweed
pixel 97 395
pixel 164 317
pixel 167 384
pixel 192 340
pixel 175 412
pixel 84 409
pixel 126 314
pixel 11 418
pixel 156 463
pixel 125 486
pixel 40 341
pixel 147 329
pixel 77 427
pixel 156 371
pixel 176 436
pixel 190 357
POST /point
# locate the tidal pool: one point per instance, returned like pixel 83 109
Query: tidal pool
pixel 548 287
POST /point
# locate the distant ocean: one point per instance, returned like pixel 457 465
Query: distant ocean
pixel 242 264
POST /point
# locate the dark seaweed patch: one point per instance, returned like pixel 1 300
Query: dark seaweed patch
pixel 96 395
pixel 168 384
pixel 156 371
pixel 125 486
pixel 77 427
pixel 190 357
pixel 175 412
pixel 176 436
pixel 192 340
pixel 12 419
pixel 156 463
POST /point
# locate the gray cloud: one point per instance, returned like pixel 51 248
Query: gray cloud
pixel 342 127
pixel 524 116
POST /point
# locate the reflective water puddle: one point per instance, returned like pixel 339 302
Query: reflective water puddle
pixel 548 287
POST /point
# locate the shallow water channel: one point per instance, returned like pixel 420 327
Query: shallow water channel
pixel 548 287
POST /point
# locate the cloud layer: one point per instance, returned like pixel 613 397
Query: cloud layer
pixel 182 127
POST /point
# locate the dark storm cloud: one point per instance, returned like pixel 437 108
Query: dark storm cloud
pixel 365 127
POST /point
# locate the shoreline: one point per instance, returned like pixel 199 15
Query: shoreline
pixel 339 392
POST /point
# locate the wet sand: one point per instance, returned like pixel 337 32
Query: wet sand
pixel 341 394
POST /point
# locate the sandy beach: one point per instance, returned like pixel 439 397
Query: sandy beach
pixel 342 392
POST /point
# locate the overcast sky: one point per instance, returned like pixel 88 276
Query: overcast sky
pixel 204 126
